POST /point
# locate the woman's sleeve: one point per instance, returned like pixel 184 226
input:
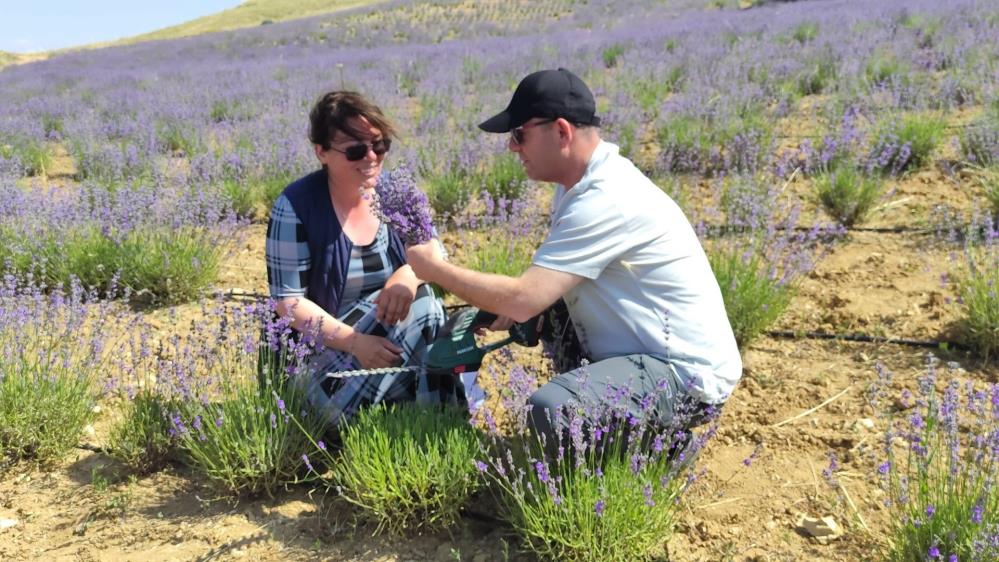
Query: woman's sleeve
pixel 289 263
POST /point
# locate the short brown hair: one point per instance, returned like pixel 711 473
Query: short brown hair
pixel 332 112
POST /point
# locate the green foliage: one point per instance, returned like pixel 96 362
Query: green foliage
pixel 158 264
pixel 599 509
pixel 504 177
pixel 980 142
pixel 885 67
pixel 754 295
pixel 989 180
pixel 409 466
pixel 611 54
pixel 43 411
pixel 805 32
pixel 450 191
pixel 175 137
pixel 977 281
pixel 651 91
pixel 819 75
pixel 243 438
pixel 34 155
pixel 497 252
pixel 847 194
pixel 253 197
pixel 140 438
pixel 922 134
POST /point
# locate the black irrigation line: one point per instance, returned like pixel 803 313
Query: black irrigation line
pixel 867 338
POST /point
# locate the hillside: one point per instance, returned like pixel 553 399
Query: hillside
pixel 248 14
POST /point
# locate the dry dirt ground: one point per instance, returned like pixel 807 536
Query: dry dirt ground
pixel 886 284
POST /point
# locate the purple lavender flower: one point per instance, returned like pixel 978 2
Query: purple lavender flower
pixel 402 205
pixel 598 508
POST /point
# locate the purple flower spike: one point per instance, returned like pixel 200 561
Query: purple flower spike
pixel 934 552
pixel 402 205
pixel 598 508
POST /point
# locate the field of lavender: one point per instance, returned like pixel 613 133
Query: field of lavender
pixel 839 158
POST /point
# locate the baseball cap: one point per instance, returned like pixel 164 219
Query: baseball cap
pixel 549 94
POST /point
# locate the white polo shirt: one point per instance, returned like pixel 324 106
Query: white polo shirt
pixel 648 287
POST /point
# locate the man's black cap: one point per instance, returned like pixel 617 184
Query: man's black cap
pixel 548 94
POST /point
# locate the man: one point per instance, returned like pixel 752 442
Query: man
pixel 623 258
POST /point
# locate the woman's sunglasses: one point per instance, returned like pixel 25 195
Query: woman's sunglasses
pixel 358 151
pixel 518 134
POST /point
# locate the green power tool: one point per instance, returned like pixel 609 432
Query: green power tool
pixel 455 350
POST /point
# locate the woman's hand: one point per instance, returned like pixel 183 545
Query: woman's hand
pixel 392 304
pixel 374 352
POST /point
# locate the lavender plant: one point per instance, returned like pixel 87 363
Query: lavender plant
pixel 141 436
pixel 939 471
pixel 608 489
pixel 409 466
pixel 237 396
pixel 53 356
pixel 847 194
pixel 980 142
pixel 139 237
pixel 906 143
pixel 976 279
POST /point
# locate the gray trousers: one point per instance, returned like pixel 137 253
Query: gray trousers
pixel 637 388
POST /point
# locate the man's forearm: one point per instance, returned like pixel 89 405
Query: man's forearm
pixel 498 294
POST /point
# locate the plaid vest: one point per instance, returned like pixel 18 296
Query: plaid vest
pixel 329 247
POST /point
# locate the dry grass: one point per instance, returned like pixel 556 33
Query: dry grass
pixel 248 14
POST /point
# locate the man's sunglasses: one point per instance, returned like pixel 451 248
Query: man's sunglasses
pixel 358 151
pixel 518 134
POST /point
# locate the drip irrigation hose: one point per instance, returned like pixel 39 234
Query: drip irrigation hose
pixel 866 338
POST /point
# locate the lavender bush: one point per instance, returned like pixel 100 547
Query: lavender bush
pixel 237 396
pixel 140 437
pixel 906 143
pixel 409 466
pixel 847 194
pixel 144 238
pixel 499 235
pixel 608 489
pixel 54 353
pixel 977 279
pixel 939 471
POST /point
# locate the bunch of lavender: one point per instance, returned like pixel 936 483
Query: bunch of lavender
pixel 54 354
pixel 409 466
pixel 403 206
pixel 607 489
pixel 939 471
pixel 240 401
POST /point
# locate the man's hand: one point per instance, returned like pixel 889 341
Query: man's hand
pixel 374 352
pixel 425 259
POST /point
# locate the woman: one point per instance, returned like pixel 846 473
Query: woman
pixel 337 270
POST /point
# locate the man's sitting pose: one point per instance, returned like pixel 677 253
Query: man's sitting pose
pixel 644 304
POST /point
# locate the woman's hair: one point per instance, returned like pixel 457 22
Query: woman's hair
pixel 332 112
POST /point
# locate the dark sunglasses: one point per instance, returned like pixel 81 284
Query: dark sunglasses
pixel 518 134
pixel 358 151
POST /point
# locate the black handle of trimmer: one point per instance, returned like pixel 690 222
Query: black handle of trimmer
pixel 526 333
